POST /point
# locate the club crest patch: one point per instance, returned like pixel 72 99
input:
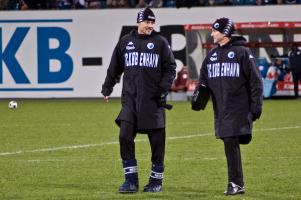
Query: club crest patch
pixel 216 25
pixel 231 54
pixel 150 45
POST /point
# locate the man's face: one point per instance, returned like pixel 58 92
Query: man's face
pixel 146 27
pixel 218 37
pixel 278 62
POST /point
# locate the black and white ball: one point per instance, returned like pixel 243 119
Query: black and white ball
pixel 12 105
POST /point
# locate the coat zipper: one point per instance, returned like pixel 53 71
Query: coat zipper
pixel 221 90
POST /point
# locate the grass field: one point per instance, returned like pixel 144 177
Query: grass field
pixel 68 149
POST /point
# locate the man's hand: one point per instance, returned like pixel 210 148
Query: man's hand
pixel 255 116
pixel 161 101
pixel 256 112
pixel 106 99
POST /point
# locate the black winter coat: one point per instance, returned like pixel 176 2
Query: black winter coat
pixel 148 68
pixel 235 85
pixel 295 61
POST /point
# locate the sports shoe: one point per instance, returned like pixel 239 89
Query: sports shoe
pixel 128 187
pixel 152 187
pixel 234 189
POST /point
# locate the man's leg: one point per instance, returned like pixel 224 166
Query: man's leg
pixel 296 84
pixel 127 152
pixel 299 80
pixel 126 140
pixel 235 173
pixel 157 143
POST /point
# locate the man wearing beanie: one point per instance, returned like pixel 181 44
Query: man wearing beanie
pixel 148 66
pixel 230 74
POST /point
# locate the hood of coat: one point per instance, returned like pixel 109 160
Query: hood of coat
pixel 234 41
pixel 135 33
pixel 238 41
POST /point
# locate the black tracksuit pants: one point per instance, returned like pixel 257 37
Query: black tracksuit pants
pixel 296 79
pixel 156 138
pixel 232 151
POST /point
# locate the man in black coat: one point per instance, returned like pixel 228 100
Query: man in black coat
pixel 229 72
pixel 148 66
pixel 295 65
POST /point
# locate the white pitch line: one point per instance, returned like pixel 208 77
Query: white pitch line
pixel 141 140
pixel 58 148
pixel 276 129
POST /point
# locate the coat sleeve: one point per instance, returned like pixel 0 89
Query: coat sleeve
pixel 203 78
pixel 168 68
pixel 254 83
pixel 114 72
pixel 201 93
pixel 291 66
pixel 203 81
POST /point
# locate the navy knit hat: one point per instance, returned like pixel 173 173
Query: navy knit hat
pixel 224 25
pixel 145 14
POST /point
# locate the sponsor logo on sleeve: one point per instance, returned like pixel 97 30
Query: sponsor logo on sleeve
pixel 130 46
pixel 213 57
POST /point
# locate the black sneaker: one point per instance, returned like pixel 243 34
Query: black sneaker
pixel 153 187
pixel 128 187
pixel 234 189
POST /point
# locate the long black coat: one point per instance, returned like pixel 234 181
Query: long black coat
pixel 295 61
pixel 235 85
pixel 148 68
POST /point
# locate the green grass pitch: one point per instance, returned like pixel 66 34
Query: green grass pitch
pixel 68 150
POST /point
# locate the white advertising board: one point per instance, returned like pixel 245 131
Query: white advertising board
pixel 64 54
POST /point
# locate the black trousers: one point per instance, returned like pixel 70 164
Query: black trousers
pixel 296 79
pixel 232 151
pixel 156 138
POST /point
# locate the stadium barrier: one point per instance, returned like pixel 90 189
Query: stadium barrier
pixel 65 54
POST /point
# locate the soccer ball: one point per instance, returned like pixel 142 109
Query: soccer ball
pixel 12 105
